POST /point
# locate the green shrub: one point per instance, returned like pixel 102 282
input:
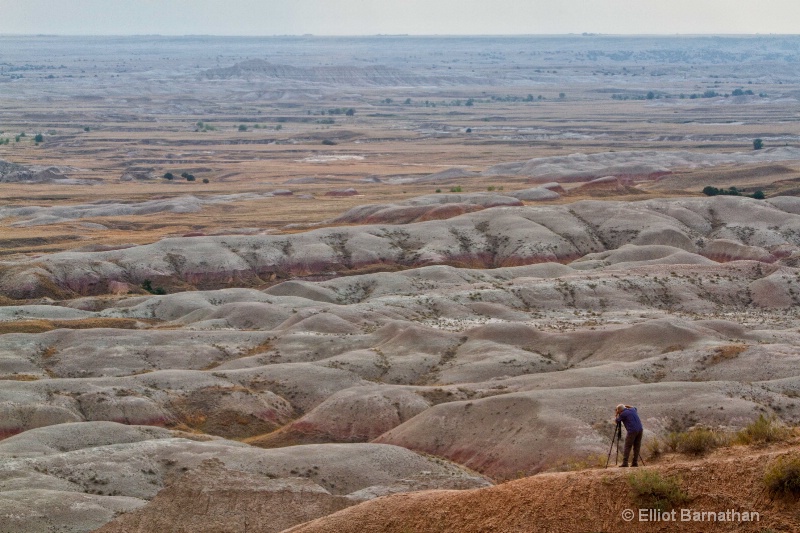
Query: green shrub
pixel 782 477
pixel 654 449
pixel 699 441
pixel 654 491
pixel 457 188
pixel 673 440
pixel 763 431
pixel 148 286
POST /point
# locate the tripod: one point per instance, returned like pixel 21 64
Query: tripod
pixel 616 438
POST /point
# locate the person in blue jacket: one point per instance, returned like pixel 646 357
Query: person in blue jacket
pixel 633 426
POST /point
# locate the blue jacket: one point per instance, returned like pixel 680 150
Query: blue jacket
pixel 630 418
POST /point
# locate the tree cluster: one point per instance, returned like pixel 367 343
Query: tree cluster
pixel 731 191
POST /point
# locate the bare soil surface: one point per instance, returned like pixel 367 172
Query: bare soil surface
pixel 588 500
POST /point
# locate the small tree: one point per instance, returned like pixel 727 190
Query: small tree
pixel 759 195
pixel 147 285
pixel 562 95
pixel 242 127
pixel 350 112
pixel 651 95
pixel 205 180
pixel 758 144
pixel 190 177
pixel 169 176
pixel 39 138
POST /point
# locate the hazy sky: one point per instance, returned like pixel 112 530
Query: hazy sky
pixel 353 17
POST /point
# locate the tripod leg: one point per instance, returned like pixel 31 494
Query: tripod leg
pixel 611 448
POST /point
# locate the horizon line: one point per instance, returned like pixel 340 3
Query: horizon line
pixel 495 35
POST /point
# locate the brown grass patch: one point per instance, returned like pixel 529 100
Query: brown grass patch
pixel 40 326
pixel 725 353
pixel 20 377
pixel 257 349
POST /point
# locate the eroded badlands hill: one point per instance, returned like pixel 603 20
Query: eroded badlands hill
pixel 722 228
pixel 685 308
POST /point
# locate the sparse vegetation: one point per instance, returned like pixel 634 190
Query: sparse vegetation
pixel 731 191
pixel 147 285
pixel 700 441
pixel 782 477
pixel 696 441
pixel 763 431
pixel 654 491
pixel 328 142
pixel 758 144
pixel 40 325
pixel 457 188
pixel 653 449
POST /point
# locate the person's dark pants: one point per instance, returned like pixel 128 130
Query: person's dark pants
pixel 632 440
